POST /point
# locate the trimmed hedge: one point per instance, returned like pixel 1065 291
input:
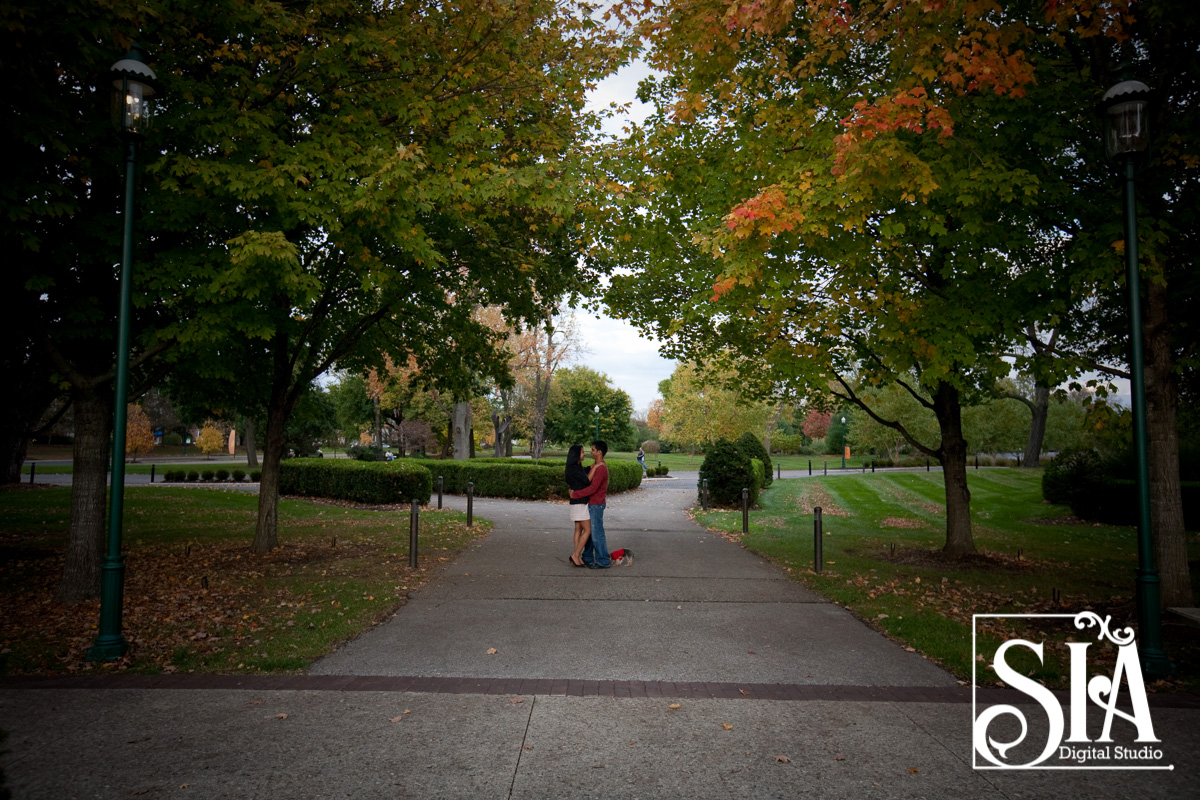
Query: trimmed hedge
pixel 523 479
pixel 358 481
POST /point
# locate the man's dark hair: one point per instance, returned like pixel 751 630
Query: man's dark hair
pixel 601 445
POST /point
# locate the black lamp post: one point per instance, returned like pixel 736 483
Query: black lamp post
pixel 133 85
pixel 1126 117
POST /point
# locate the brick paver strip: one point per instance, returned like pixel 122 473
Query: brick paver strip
pixel 557 686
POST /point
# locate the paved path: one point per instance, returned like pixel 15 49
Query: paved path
pixel 780 693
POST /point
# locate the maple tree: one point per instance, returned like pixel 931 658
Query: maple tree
pixel 877 193
pixel 139 432
pixel 699 409
pixel 211 439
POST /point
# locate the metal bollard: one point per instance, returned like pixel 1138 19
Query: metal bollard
pixel 152 466
pixel 976 461
pixel 927 465
pixel 745 510
pixel 810 468
pixel 779 471
pixel 470 502
pixel 818 532
pixel 32 469
pixel 413 525
pixel 872 466
pixel 704 495
pixel 439 492
pixel 864 466
pixel 826 467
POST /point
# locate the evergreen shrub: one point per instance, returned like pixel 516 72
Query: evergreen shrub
pixel 193 476
pixel 222 474
pixel 208 474
pixel 239 475
pixel 1071 472
pixel 728 471
pixel 750 444
pixel 255 475
pixel 398 481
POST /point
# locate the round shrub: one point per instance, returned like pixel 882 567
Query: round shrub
pixel 728 471
pixel 749 444
pixel 222 474
pixel 239 475
pixel 208 474
pixel 1072 472
pixel 193 476
pixel 255 475
pixel 172 439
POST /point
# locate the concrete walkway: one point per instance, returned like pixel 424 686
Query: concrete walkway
pixel 778 693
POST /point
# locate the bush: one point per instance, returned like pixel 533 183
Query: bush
pixel 255 475
pixel 749 444
pixel 193 476
pixel 728 471
pixel 172 475
pixel 172 439
pixel 207 474
pixel 521 478
pixel 787 442
pixel 239 475
pixel 222 474
pixel 1072 472
pixel 364 453
pixel 650 446
pixel 357 481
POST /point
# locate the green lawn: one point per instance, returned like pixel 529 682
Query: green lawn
pixel 196 598
pixel 1028 552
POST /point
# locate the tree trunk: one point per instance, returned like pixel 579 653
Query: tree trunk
pixel 1040 409
pixel 14 445
pixel 1166 501
pixel 953 455
pixel 501 427
pixel 508 450
pixel 266 532
pixel 460 426
pixel 89 483
pixel 251 442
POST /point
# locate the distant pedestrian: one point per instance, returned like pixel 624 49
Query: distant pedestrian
pixel 641 457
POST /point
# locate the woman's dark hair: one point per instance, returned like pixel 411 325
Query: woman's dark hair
pixel 577 476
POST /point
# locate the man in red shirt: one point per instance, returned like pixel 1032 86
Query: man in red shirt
pixel 595 551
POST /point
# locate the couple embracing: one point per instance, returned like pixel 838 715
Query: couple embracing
pixel 589 495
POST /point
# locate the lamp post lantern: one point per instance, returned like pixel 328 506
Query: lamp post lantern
pixel 133 86
pixel 1126 118
pixel 597 410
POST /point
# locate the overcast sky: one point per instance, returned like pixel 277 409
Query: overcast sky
pixel 633 363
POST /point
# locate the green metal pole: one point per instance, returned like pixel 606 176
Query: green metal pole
pixel 110 641
pixel 1149 589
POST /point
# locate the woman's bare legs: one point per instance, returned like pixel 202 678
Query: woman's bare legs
pixel 582 531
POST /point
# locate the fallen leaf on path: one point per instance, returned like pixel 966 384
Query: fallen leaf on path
pixel 492 651
pixel 783 759
pixel 674 706
pixel 912 770
pixel 726 726
pixel 517 700
pixel 397 718
pixel 281 716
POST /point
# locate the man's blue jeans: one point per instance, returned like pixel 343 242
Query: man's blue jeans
pixel 595 552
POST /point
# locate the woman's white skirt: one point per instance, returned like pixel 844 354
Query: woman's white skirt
pixel 579 512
